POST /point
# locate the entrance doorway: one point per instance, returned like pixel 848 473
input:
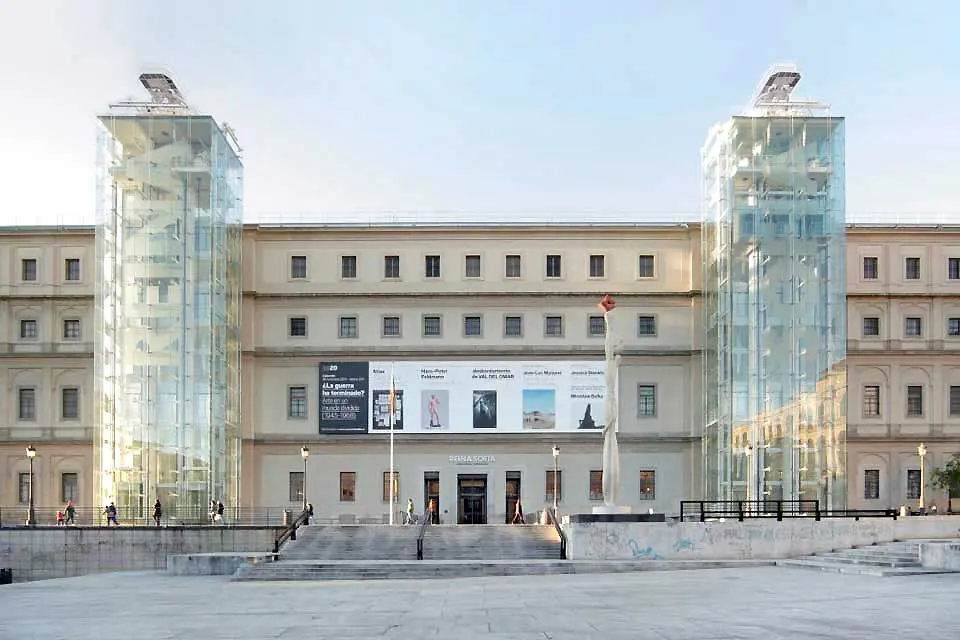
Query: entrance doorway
pixel 472 499
pixel 513 494
pixel 431 491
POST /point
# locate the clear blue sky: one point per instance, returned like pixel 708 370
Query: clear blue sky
pixel 550 107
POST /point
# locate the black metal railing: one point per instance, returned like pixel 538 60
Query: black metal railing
pixel 290 531
pixel 46 515
pixel 425 520
pixel 563 537
pixel 703 510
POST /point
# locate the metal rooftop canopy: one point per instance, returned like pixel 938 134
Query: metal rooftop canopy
pixel 165 97
pixel 774 95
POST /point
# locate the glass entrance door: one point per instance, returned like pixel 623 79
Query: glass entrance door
pixel 513 495
pixel 472 499
pixel 431 491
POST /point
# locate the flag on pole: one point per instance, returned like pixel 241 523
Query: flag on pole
pixel 393 396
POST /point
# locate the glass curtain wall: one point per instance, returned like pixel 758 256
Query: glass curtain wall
pixel 168 342
pixel 775 310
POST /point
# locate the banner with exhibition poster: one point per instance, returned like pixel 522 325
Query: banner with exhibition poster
pixel 438 397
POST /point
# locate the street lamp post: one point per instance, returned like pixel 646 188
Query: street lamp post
pixel 31 511
pixel 922 452
pixel 304 453
pixel 556 468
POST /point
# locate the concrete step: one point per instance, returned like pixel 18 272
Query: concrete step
pixel 864 560
pixel 289 570
pixel 813 563
pixel 383 542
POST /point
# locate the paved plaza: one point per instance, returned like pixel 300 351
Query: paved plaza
pixel 768 603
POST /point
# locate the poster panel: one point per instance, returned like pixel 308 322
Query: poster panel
pixel 436 397
pixel 344 397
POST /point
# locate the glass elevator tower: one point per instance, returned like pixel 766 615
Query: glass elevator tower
pixel 169 200
pixel 774 300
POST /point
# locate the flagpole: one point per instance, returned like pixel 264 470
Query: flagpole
pixel 393 393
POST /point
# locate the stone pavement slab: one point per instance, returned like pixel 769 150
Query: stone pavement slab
pixel 745 603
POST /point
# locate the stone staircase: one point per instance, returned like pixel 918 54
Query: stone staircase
pixel 491 542
pixel 900 558
pixel 442 542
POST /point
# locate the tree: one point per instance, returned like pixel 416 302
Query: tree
pixel 947 477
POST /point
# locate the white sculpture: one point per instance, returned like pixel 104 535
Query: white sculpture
pixel 611 451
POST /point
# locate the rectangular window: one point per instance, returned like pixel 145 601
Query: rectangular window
pixel 513 326
pixel 554 267
pixel 69 483
pixel 914 400
pixel 645 266
pixel 296 487
pixel 596 327
pixel 871 326
pixel 391 326
pixel 955 401
pixel 597 266
pixel 431 266
pixel 551 486
pixel 953 268
pixel 348 267
pixel 70 403
pixel 911 268
pixel 913 326
pixel 913 484
pixel 648 485
pixel 27 404
pixel 953 327
pixel 871 484
pixel 871 269
pixel 391 267
pixel 298 267
pixel 23 488
pixel 472 326
pixel 511 266
pixel 871 401
pixel 471 266
pixel 71 269
pixel 297 402
pixel 386 486
pixel 28 270
pixel 349 327
pixel 596 485
pixel 646 400
pixel 28 329
pixel 553 326
pixel 71 329
pixel 298 327
pixel 432 326
pixel 348 486
pixel 646 326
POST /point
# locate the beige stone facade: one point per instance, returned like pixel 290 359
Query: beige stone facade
pixel 504 294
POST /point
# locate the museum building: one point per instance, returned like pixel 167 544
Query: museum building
pixel 771 351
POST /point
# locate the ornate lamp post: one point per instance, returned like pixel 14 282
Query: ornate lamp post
pixel 31 511
pixel 922 452
pixel 556 462
pixel 304 453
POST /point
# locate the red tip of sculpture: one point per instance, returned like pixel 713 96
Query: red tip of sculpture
pixel 606 303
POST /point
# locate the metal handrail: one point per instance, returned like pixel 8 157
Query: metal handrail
pixel 743 509
pixel 563 537
pixel 779 509
pixel 427 517
pixel 290 531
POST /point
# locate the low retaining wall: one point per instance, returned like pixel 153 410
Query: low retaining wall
pixel 944 556
pixel 213 564
pixel 60 552
pixel 749 540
